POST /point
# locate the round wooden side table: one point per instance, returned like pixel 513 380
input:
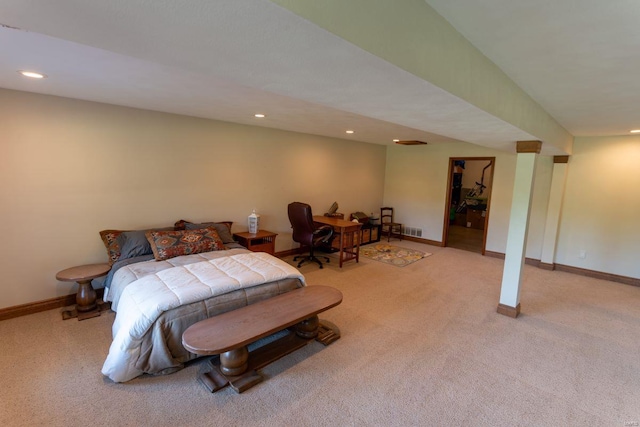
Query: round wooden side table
pixel 86 299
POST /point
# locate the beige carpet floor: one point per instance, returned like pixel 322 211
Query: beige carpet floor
pixel 421 345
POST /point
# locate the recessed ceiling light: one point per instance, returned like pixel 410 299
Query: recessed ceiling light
pixel 350 131
pixel 635 131
pixel 260 116
pixel 32 74
pixel 396 140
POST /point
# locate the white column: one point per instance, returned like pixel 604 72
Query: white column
pixel 558 179
pixel 518 227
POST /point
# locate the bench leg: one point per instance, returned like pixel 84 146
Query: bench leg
pixel 308 328
pixel 234 362
pixel 213 379
pixel 237 371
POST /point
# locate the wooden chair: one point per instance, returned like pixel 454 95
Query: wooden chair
pixel 388 226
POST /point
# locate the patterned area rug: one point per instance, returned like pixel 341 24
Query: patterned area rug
pixel 390 254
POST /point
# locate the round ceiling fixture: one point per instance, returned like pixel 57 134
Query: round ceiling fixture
pixel 32 74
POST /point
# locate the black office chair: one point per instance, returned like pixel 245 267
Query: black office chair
pixel 306 233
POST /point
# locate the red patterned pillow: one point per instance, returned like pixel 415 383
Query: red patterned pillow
pixel 114 239
pixel 111 242
pixel 169 244
pixel 223 228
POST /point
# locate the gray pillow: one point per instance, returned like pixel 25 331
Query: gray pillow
pixel 134 243
pixel 223 230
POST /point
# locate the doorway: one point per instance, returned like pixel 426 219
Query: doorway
pixel 468 200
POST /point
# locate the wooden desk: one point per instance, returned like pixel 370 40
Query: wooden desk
pixel 348 234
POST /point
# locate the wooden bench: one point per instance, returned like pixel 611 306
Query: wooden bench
pixel 229 334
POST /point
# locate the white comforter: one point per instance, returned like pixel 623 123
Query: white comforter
pixel 146 298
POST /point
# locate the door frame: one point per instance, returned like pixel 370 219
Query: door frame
pixel 447 208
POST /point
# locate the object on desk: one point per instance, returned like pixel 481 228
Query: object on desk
pixel 389 226
pixel 333 209
pixel 333 212
pixel 335 215
pixel 361 217
pixel 254 222
pixel 306 233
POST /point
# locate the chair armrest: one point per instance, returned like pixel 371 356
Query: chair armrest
pixel 325 230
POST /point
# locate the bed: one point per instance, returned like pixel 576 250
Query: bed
pixel 164 280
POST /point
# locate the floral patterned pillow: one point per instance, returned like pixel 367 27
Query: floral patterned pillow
pixel 223 228
pixel 116 240
pixel 112 243
pixel 170 244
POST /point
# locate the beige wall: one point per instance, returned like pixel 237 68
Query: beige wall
pixel 416 185
pixel 600 205
pixel 72 168
pixel 601 208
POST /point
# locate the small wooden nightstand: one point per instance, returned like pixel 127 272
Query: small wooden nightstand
pixel 87 305
pixel 262 241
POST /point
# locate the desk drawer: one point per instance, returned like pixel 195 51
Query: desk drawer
pixel 349 240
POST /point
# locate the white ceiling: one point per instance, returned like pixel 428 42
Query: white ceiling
pixel 579 59
pixel 227 60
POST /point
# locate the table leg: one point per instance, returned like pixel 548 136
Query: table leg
pixel 86 296
pixel 342 237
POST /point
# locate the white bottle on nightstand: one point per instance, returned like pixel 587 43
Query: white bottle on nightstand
pixel 254 222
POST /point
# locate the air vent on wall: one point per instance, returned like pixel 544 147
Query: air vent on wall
pixel 412 231
pixel 413 142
